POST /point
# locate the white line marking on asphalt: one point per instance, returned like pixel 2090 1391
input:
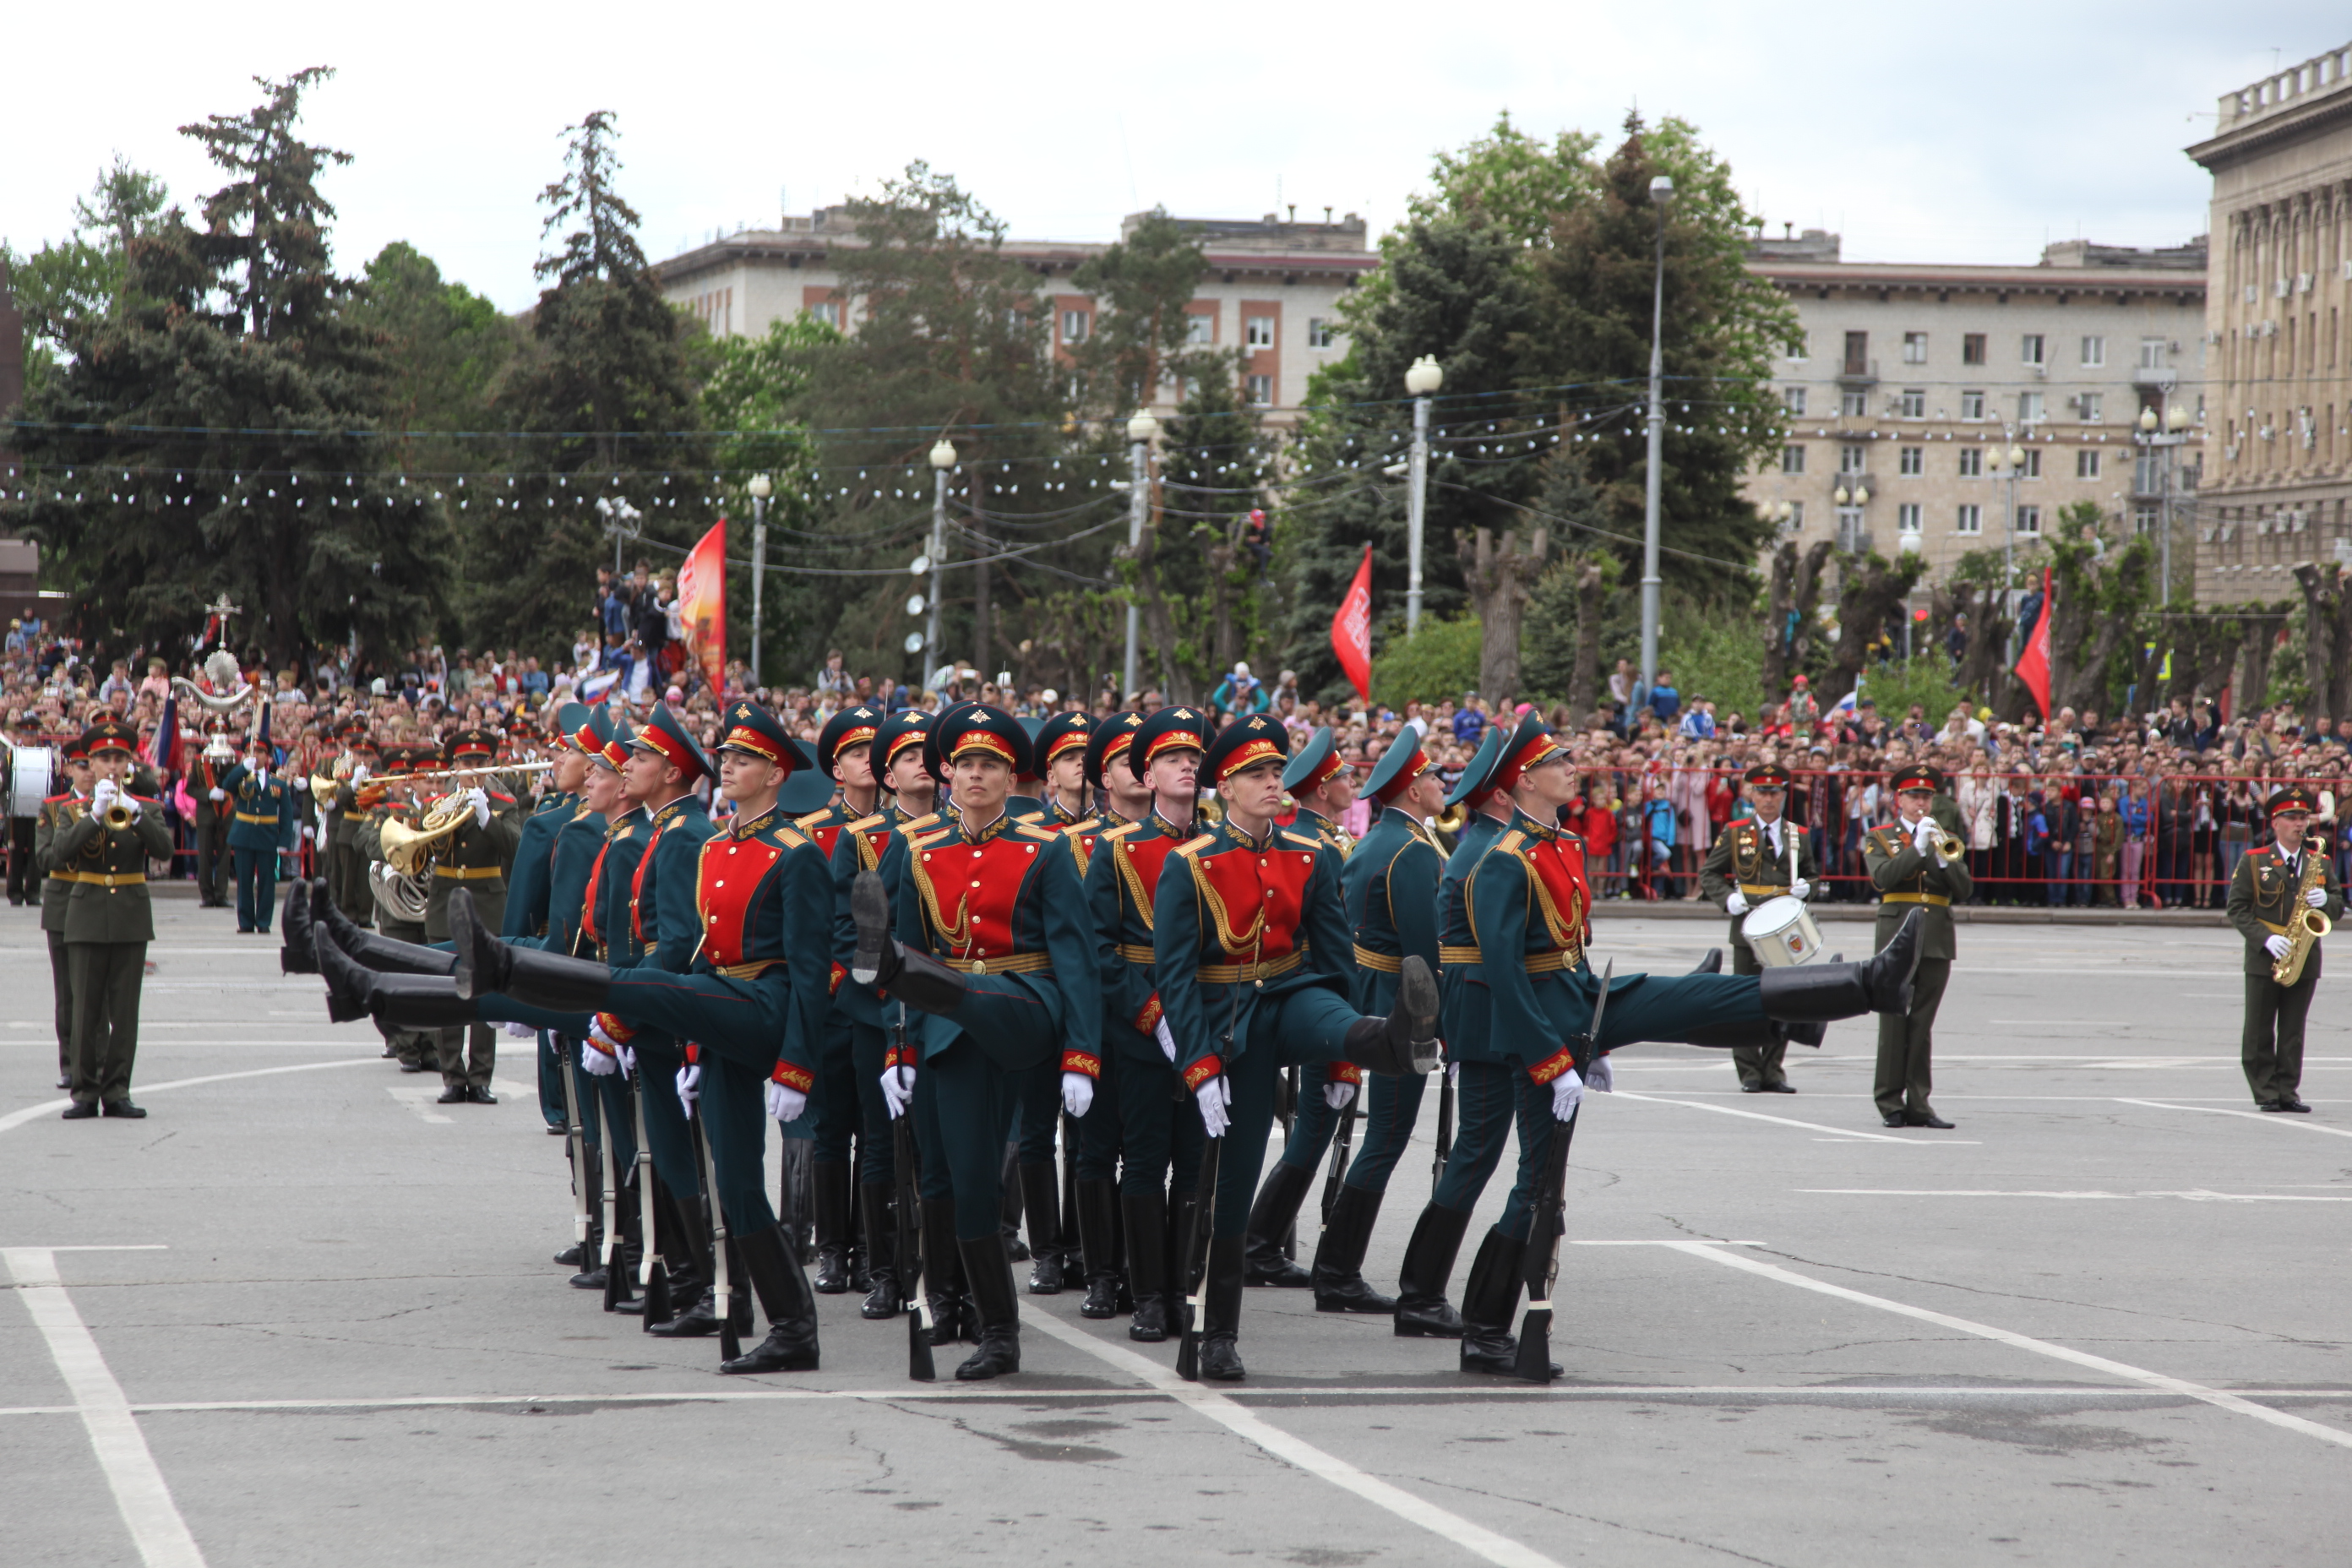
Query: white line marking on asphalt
pixel 1245 1423
pixel 2290 1118
pixel 419 1097
pixel 16 1118
pixel 2194 1195
pixel 156 1526
pixel 2213 1396
pixel 1840 1132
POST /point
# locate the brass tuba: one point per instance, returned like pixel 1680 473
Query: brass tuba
pixel 2308 925
pixel 405 848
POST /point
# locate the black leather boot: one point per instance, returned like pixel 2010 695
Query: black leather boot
pixel 1098 1239
pixel 943 1276
pixel 381 953
pixel 1009 1203
pixel 1041 1196
pixel 527 974
pixel 1405 1042
pixel 882 1253
pixel 681 1276
pixel 1147 1267
pixel 829 1187
pixel 702 1318
pixel 1422 1310
pixel 1220 1313
pixel 1488 1298
pixel 1339 1272
pixel 791 1305
pixel 1271 1217
pixel 402 1001
pixel 1711 964
pixel 294 952
pixel 991 1274
pixel 914 978
pixel 1822 992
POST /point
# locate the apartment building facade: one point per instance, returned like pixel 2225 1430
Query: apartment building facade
pixel 1909 388
pixel 2279 489
pixel 1272 289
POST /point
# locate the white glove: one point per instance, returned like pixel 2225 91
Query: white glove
pixel 1923 834
pixel 301 782
pixel 598 1063
pixel 2277 946
pixel 1800 888
pixel 519 1031
pixel 1567 1094
pixel 1078 1093
pixel 1167 1041
pixel 359 775
pixel 688 1077
pixel 785 1103
pixel 309 834
pixel 897 1089
pixel 1737 904
pixel 215 793
pixel 2317 897
pixel 101 795
pixel 481 804
pixel 1336 1095
pixel 1600 1078
pixel 1214 1097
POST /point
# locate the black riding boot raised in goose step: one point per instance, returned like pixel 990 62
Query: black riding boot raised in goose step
pixel 881 960
pixel 526 975
pixel 1147 1267
pixel 1220 1313
pixel 1823 992
pixel 829 1188
pixel 1422 1310
pixel 403 1001
pixel 784 1294
pixel 1271 1217
pixel 884 1299
pixel 990 1272
pixel 1339 1272
pixel 295 953
pixel 383 953
pixel 1098 1241
pixel 1711 964
pixel 1405 1042
pixel 1041 1201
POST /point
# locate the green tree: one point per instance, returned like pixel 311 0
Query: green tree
pixel 1142 286
pixel 444 346
pixel 203 435
pixel 1196 586
pixel 87 274
pixel 747 402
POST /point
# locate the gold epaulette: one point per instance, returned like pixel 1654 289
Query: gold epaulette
pixel 928 839
pixel 812 817
pixel 863 823
pixel 1192 849
pixel 1121 831
pixel 1082 825
pixel 615 835
pixel 919 824
pixel 1028 828
pixel 1510 841
pixel 1303 838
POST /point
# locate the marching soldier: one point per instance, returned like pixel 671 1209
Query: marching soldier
pixel 2273 889
pixel 214 813
pixel 415 1049
pixel 529 882
pixel 1391 884
pixel 56 812
pixel 471 856
pixel 263 827
pixel 1909 868
pixel 1060 745
pixel 1759 857
pixel 341 852
pixel 1323 785
pixel 102 851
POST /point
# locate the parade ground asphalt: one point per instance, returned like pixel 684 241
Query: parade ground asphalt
pixel 300 1314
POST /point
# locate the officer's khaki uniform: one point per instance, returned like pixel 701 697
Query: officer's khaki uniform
pixel 1746 860
pixel 107 925
pixel 1907 881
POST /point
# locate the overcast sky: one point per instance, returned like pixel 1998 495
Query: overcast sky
pixel 1920 132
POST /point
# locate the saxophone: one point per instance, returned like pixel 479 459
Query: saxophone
pixel 2308 924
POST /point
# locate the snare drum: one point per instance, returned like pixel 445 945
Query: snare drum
pixel 1781 932
pixel 32 778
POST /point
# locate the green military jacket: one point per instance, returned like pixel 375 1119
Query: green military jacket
pixel 474 857
pixel 2265 896
pixel 1742 861
pixel 370 844
pixel 106 869
pixel 56 811
pixel 207 774
pixel 1908 880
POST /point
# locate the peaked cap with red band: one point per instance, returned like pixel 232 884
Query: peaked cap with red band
pixel 1397 767
pixel 616 744
pixel 1113 733
pixel 1167 730
pixel 1062 733
pixel 907 727
pixel 664 732
pixel 970 728
pixel 1530 744
pixel 856 725
pixel 1317 762
pixel 754 731
pixel 1246 743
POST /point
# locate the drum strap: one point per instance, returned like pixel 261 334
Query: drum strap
pixel 1763 889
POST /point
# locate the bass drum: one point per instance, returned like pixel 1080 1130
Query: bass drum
pixel 1782 934
pixel 32 778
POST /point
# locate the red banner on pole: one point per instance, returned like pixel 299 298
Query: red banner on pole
pixel 2033 664
pixel 1351 630
pixel 702 604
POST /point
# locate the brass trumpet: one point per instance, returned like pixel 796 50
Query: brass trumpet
pixel 1948 845
pixel 117 816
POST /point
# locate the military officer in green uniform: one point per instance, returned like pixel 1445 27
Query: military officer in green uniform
pixel 348 871
pixel 263 827
pixel 473 857
pixel 214 813
pixel 2273 888
pixel 1908 866
pixel 103 852
pixel 528 879
pixel 418 1050
pixel 1757 858
pixel 56 812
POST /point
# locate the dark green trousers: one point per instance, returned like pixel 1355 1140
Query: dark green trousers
pixel 2271 1047
pixel 410 1046
pixel 62 985
pixel 212 857
pixel 466 1055
pixel 1760 1066
pixel 1157 1125
pixel 106 980
pixel 1906 1042
pixel 351 894
pixel 963 1114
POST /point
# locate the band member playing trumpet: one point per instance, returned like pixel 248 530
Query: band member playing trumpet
pixel 1917 866
pixel 2274 895
pixel 1759 859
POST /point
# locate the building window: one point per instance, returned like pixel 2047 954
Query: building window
pixel 2087 464
pixel 1857 353
pixel 1854 459
pixel 1914 403
pixel 1851 535
pixel 2094 405
pixel 1969 521
pixel 827 312
pixel 1907 517
pixel 1261 391
pixel 2151 353
pixel 1972 348
pixel 2029 520
pixel 1797 348
pixel 2029 349
pixel 2029 407
pixel 1792 399
pixel 1796 516
pixel 2032 469
pixel 1201 329
pixel 1318 332
pixel 2144 519
pixel 1792 459
pixel 1854 403
pixel 1073 326
pixel 2094 352
pixel 1257 331
pixel 1971 462
pixel 1915 348
pixel 1971 404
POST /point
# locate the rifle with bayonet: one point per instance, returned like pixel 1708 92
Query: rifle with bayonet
pixel 575 1134
pixel 653 1274
pixel 1343 1144
pixel 1443 1149
pixel 911 1283
pixel 722 1279
pixel 1549 1224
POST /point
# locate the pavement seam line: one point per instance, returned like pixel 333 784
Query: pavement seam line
pixel 1782 1121
pixel 2015 1340
pixel 1298 1452
pixel 131 1474
pixel 2289 1121
pixel 16 1119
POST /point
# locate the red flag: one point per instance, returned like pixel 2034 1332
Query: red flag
pixel 1351 630
pixel 702 604
pixel 2033 664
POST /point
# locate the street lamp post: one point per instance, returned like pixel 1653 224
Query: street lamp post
pixel 1661 196
pixel 1424 378
pixel 2011 459
pixel 943 457
pixel 1140 430
pixel 2160 448
pixel 761 487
